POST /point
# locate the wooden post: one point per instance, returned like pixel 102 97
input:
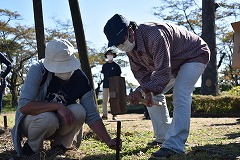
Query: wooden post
pixel 39 28
pixel 80 39
pixel 81 42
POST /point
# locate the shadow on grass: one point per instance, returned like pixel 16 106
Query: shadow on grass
pixel 224 152
pixel 113 156
pixel 46 155
pixel 8 155
pixel 227 124
pixel 233 135
pixel 211 152
pixel 207 152
pixel 100 157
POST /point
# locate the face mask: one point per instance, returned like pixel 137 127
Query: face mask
pixel 127 46
pixel 64 76
pixel 110 57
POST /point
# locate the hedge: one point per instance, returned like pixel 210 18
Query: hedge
pixel 204 106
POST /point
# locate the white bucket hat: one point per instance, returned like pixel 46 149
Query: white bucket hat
pixel 59 57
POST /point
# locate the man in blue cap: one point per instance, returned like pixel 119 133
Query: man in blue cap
pixel 162 56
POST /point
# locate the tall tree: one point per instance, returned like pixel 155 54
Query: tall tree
pixel 210 75
pixel 17 42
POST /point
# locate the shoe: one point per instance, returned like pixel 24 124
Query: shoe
pixel 61 147
pixel 163 152
pixel 35 156
pixel 146 118
pixel 154 143
pixel 2 131
pixel 104 117
pixel 27 150
pixel 114 118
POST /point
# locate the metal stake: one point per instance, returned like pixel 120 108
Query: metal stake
pixel 118 140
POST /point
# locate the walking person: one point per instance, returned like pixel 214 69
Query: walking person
pixel 162 56
pixel 109 69
pixel 3 73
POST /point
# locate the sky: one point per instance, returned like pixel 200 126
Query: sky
pixel 94 13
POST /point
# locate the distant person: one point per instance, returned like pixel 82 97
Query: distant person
pixel 48 105
pixel 3 73
pixel 109 69
pixel 146 114
pixel 162 56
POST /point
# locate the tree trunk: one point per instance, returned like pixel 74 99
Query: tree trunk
pixel 14 96
pixel 39 28
pixel 13 89
pixel 210 75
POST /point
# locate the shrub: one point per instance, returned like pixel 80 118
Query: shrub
pixel 7 100
pixel 135 109
pixel 214 106
pixel 235 91
pixel 204 106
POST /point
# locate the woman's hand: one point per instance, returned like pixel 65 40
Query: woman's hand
pixel 113 144
pixel 66 114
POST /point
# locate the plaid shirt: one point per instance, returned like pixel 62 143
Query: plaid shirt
pixel 161 49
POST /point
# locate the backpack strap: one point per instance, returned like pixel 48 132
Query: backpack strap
pixel 45 75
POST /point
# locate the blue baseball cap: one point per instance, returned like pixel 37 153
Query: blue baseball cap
pixel 115 29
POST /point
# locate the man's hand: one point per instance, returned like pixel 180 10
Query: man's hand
pixel 148 96
pixel 66 114
pixel 135 97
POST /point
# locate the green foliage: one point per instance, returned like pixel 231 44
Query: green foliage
pixel 7 104
pixel 235 91
pixel 135 109
pixel 7 100
pixel 214 106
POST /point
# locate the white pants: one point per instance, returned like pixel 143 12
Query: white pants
pixel 160 115
pixel 38 128
pixel 160 118
pixel 178 130
pixel 105 101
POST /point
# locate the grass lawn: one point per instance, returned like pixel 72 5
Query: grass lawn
pixel 209 139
